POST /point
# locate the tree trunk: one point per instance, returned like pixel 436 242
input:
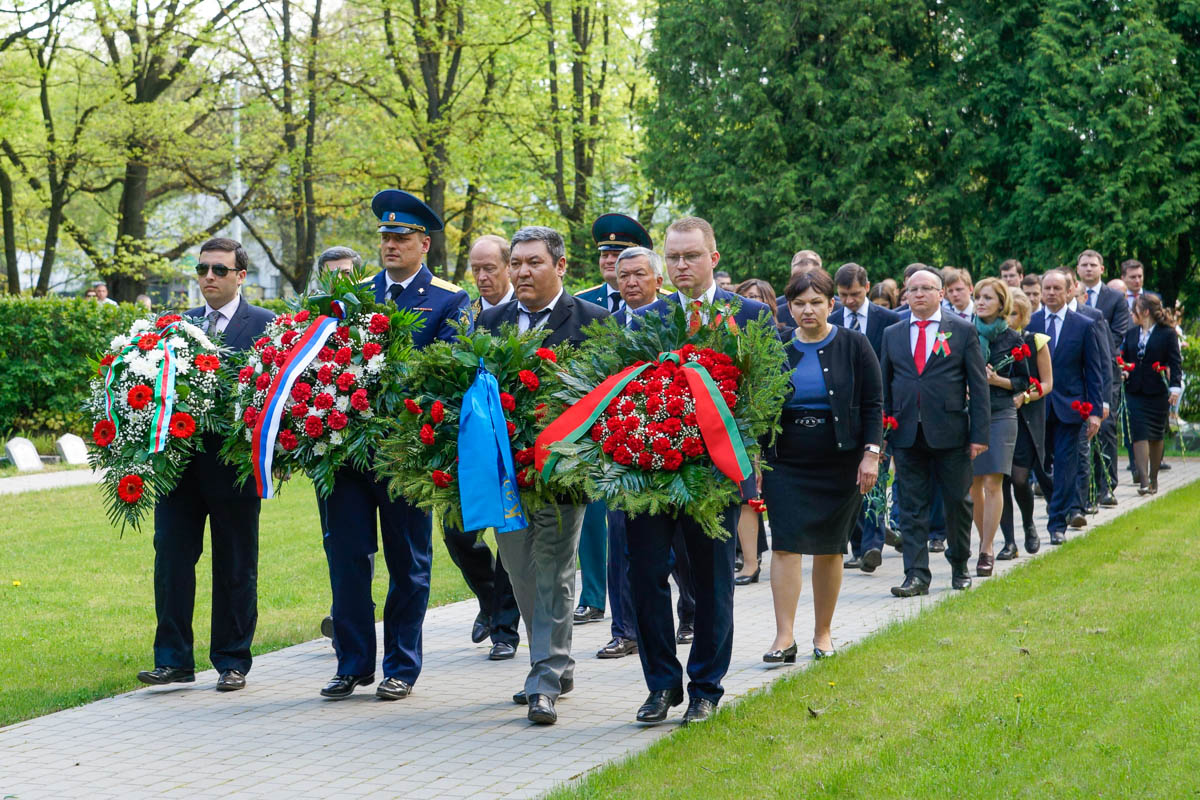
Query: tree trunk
pixel 131 229
pixel 10 233
pixel 50 248
pixel 435 197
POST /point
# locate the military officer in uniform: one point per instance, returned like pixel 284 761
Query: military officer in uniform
pixel 358 497
pixel 613 233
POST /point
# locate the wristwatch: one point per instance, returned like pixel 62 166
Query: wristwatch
pixel 873 448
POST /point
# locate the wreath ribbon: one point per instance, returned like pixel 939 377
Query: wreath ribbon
pixel 717 426
pixel 266 427
pixel 164 390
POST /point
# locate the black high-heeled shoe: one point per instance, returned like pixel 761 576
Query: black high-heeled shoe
pixel 818 653
pixel 742 580
pixel 785 656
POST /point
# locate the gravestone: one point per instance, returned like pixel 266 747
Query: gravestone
pixel 23 454
pixel 71 449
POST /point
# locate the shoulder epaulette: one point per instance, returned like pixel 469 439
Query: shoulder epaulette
pixel 441 283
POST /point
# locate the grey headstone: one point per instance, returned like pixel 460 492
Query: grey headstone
pixel 23 454
pixel 72 449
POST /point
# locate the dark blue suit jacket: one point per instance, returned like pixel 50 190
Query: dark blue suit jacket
pixel 750 309
pixel 440 302
pixel 247 324
pixel 878 319
pixel 1078 363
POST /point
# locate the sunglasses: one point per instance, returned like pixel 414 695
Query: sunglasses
pixel 220 270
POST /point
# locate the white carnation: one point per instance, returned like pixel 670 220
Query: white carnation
pixel 319 448
pixel 342 403
pixel 198 335
pixel 119 342
pixel 142 367
pixel 177 342
pixel 336 438
pixel 153 356
pixel 375 364
pixel 140 326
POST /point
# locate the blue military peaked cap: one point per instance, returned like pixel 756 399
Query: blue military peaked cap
pixel 617 232
pixel 401 212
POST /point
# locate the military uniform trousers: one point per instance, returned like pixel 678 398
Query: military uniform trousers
pixel 593 555
pixel 206 491
pixel 649 539
pixel 350 538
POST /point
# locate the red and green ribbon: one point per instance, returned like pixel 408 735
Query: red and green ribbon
pixel 164 390
pixel 718 429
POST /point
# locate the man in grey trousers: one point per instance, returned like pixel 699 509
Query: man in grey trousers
pixel 541 558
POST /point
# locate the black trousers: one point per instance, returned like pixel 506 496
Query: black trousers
pixel 206 493
pixel 921 471
pixel 710 565
pixel 487 578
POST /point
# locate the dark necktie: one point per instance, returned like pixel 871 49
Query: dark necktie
pixel 919 352
pixel 1092 298
pixel 213 319
pixel 854 322
pixel 394 291
pixel 535 317
pixel 1053 332
pixel 614 302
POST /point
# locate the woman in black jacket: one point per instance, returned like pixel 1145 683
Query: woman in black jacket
pixel 824 461
pixel 1152 348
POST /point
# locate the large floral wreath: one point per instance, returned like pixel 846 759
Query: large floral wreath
pixel 420 456
pixel 314 391
pixel 156 388
pixel 668 417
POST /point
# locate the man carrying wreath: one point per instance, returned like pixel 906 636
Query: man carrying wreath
pixel 691 256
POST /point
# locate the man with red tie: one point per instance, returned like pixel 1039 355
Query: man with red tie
pixel 935 386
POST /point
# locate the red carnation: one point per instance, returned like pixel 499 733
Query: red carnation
pixel 609 445
pixel 325 374
pixel 645 460
pixel 261 342
pixel 619 437
pixel 263 381
pixel 1158 367
pixel 323 400
pixel 314 427
pixel 268 354
pixel 182 426
pixel 635 387
pixel 597 432
pixel 147 341
pixel 289 337
pixel 206 363
pixel 529 379
pixel 613 423
pixel 672 460
pixel 661 445
pixel 671 426
pixel 547 353
pixel 104 433
pixel 693 446
pixel 525 478
pixel 250 416
pixel 288 440
pixel 301 391
pixel 165 320
pixel 437 412
pixel 512 429
pixel 245 374
pixel 139 396
pixel 635 443
pixel 345 381
pixel 728 386
pixel 539 411
pixel 631 423
pixel 302 316
pixel 359 401
pixel 676 406
pixel 284 320
pixel 654 386
pixel 325 354
pixel 443 479
pixel 106 361
pixel 371 349
pixel 1076 405
pixel 890 423
pixel 730 399
pixel 379 323
pixel 130 488
pixel 1038 385
pixel 411 406
pixel 654 404
pixel 342 356
pixel 1017 354
pixel 280 358
pixel 623 456
pixel 300 410
pixel 337 420
pixel 342 334
pixel 627 406
pixel 524 456
pixel 689 420
pixel 427 434
pixel 507 401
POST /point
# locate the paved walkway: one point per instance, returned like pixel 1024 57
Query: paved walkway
pixel 37 481
pixel 459 735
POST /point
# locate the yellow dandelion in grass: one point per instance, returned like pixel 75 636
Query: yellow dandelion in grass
pixel 1018 695
pixel 832 684
pixel 16 583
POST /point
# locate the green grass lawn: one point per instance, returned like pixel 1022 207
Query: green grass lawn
pixel 1074 676
pixel 81 623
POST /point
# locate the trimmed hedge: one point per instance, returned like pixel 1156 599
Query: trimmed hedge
pixel 45 344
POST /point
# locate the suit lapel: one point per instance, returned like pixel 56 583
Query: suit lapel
pixel 233 330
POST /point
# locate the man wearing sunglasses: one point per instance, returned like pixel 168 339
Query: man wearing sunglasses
pixel 359 504
pixel 208 490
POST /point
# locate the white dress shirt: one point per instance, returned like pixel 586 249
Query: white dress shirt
pixel 523 319
pixel 931 332
pixel 484 305
pixel 226 311
pixel 707 298
pixel 389 283
pixel 964 315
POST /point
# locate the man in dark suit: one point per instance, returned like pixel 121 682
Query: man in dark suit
pixel 208 489
pixel 541 557
pixel 859 314
pixel 935 385
pixel 1075 353
pixel 691 256
pixel 802 261
pixel 1112 306
pixel 359 501
pixel 1090 460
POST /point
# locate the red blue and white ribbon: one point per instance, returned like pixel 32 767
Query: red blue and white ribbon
pixel 266 427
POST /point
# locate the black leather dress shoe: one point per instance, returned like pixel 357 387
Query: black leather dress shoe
pixel 480 629
pixel 617 648
pixel 588 614
pixel 686 633
pixel 160 676
pixel 854 562
pixel 960 576
pixel 1077 520
pixel 1092 510
pixel 1008 552
pixel 565 686
pixel 327 627
pixel 541 710
pixel 892 539
pixel 1057 537
pixel 658 704
pixel 1164 467
pixel 871 559
pixel 342 686
pixel 502 651
pixel 1109 500
pixel 393 689
pixel 911 587
pixel 699 710
pixel 1033 542
pixel 937 545
pixel 230 681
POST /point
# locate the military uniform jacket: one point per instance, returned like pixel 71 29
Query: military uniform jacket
pixel 438 301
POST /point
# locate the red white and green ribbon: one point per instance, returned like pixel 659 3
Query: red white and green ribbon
pixel 164 393
pixel 718 429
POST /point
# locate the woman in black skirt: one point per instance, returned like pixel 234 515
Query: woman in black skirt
pixel 1152 347
pixel 824 461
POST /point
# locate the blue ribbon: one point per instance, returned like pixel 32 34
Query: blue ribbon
pixel 486 479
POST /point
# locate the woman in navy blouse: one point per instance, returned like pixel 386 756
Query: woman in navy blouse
pixel 1152 347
